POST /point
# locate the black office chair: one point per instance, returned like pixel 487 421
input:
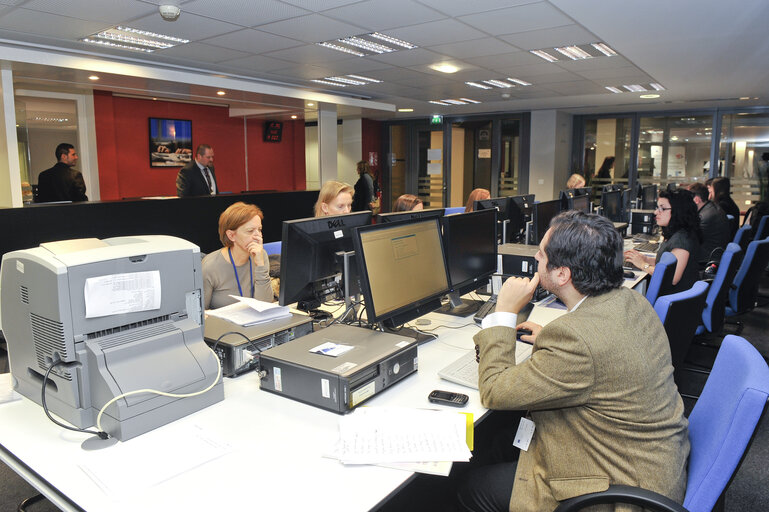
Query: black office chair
pixel 680 314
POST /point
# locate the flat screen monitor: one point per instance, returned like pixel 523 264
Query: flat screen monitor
pixel 432 213
pixel 543 213
pixel 524 203
pixel 519 214
pixel 612 187
pixel 648 197
pixel 470 244
pixel 312 261
pixel 581 203
pixel 611 205
pixel 402 270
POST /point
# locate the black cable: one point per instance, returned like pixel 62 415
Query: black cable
pixel 448 327
pixel 250 341
pixel 101 434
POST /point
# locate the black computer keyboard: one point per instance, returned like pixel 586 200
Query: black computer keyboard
pixel 486 308
pixel 647 247
pixel 644 237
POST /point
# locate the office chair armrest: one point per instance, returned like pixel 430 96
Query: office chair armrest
pixel 622 494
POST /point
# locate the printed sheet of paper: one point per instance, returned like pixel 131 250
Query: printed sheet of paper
pixel 116 294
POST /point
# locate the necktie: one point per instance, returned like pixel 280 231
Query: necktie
pixel 208 178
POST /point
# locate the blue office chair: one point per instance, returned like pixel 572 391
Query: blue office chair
pixel 272 248
pixel 742 237
pixel 763 228
pixel 680 314
pixel 662 279
pixel 721 427
pixel 718 293
pixel 451 210
pixel 742 296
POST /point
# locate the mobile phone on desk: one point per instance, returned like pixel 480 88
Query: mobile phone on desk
pixel 448 398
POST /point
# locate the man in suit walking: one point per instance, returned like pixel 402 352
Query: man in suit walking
pixel 197 178
pixel 61 182
pixel 598 386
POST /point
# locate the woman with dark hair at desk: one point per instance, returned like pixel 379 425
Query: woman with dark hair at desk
pixel 407 203
pixel 478 194
pixel 677 215
pixel 241 267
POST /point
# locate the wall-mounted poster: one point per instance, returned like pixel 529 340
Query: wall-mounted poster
pixel 170 142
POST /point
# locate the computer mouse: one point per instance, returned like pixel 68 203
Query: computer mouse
pixel 628 274
pixel 522 332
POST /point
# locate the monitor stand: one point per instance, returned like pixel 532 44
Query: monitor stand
pixel 458 306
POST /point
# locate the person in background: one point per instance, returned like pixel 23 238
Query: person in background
pixel 364 188
pixel 716 230
pixel 763 177
pixel 720 192
pixel 197 178
pixel 604 172
pixel 241 267
pixel 407 203
pixel 575 181
pixel 335 198
pixel 676 214
pixel 61 182
pixel 478 194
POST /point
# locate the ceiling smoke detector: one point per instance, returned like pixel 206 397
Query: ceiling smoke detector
pixel 169 12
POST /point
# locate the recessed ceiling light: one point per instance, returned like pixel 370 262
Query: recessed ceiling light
pixel 476 84
pixel 453 101
pixel 405 110
pixel 499 83
pixel 93 77
pixel 519 81
pixel 367 44
pixel 744 97
pixel 133 39
pixel 293 117
pixel 649 96
pixel 311 104
pixel 603 48
pixel 656 86
pixel 221 93
pixel 574 52
pixel 154 99
pixel 635 88
pixel 444 68
pixel 614 90
pixel 544 55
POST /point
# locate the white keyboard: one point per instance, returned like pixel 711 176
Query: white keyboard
pixel 464 371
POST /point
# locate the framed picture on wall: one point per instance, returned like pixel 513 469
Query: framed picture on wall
pixel 170 142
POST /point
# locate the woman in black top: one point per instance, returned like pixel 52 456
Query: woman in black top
pixel 676 214
pixel 364 188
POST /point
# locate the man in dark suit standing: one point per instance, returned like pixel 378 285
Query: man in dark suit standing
pixel 61 182
pixel 716 230
pixel 197 178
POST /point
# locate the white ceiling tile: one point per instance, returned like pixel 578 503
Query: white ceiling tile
pixel 253 41
pixel 355 66
pixel 244 12
pixel 202 52
pixel 407 77
pixel 551 37
pixel 475 48
pixel 436 32
pixel 506 60
pixel 629 71
pixel 257 63
pixel 578 87
pixel 48 25
pixel 407 58
pixel 306 72
pixel 614 62
pixel 110 12
pixel 551 78
pixel 188 26
pixel 309 54
pixel 517 19
pixel 461 7
pixel 312 28
pixel 379 15
pixel 320 5
pixel 532 70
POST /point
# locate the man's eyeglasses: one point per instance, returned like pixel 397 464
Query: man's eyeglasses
pixel 662 208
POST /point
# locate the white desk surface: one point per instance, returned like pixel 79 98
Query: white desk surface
pixel 275 461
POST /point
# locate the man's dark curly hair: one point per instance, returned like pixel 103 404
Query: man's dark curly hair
pixel 683 214
pixel 590 247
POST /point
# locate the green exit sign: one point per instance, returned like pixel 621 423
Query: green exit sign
pixel 436 119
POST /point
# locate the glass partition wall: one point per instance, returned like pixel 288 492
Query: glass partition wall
pixel 743 155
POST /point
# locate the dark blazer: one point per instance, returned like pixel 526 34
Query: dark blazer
pixel 729 207
pixel 190 181
pixel 716 230
pixel 599 388
pixel 60 183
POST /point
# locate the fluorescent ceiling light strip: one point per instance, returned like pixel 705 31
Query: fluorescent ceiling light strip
pixel 656 86
pixel 604 48
pixel 133 40
pixel 544 55
pixel 393 40
pixel 468 100
pixel 614 90
pixel 436 102
pixel 574 52
pixel 635 88
pixel 366 45
pixel 152 34
pixel 344 80
pixel 454 102
pixel 476 84
pixel 340 48
pixel 519 81
pixel 365 78
pixel 326 82
pixel 116 45
pixel 498 83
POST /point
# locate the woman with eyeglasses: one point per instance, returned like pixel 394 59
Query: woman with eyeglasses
pixel 676 214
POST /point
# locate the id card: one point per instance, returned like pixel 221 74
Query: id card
pixel 524 434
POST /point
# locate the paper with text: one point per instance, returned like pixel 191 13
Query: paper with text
pixel 117 294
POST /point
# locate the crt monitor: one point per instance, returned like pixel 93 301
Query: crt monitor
pixel 470 243
pixel 312 259
pixel 402 270
pixel 611 205
pixel 648 197
pixel 544 212
pixel 432 213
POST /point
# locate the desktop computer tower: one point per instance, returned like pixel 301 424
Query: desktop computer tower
pixel 518 259
pixel 307 369
pixel 642 221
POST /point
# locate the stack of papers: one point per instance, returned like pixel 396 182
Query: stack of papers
pixel 403 438
pixel 248 311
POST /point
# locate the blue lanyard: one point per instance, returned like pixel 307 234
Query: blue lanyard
pixel 237 279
